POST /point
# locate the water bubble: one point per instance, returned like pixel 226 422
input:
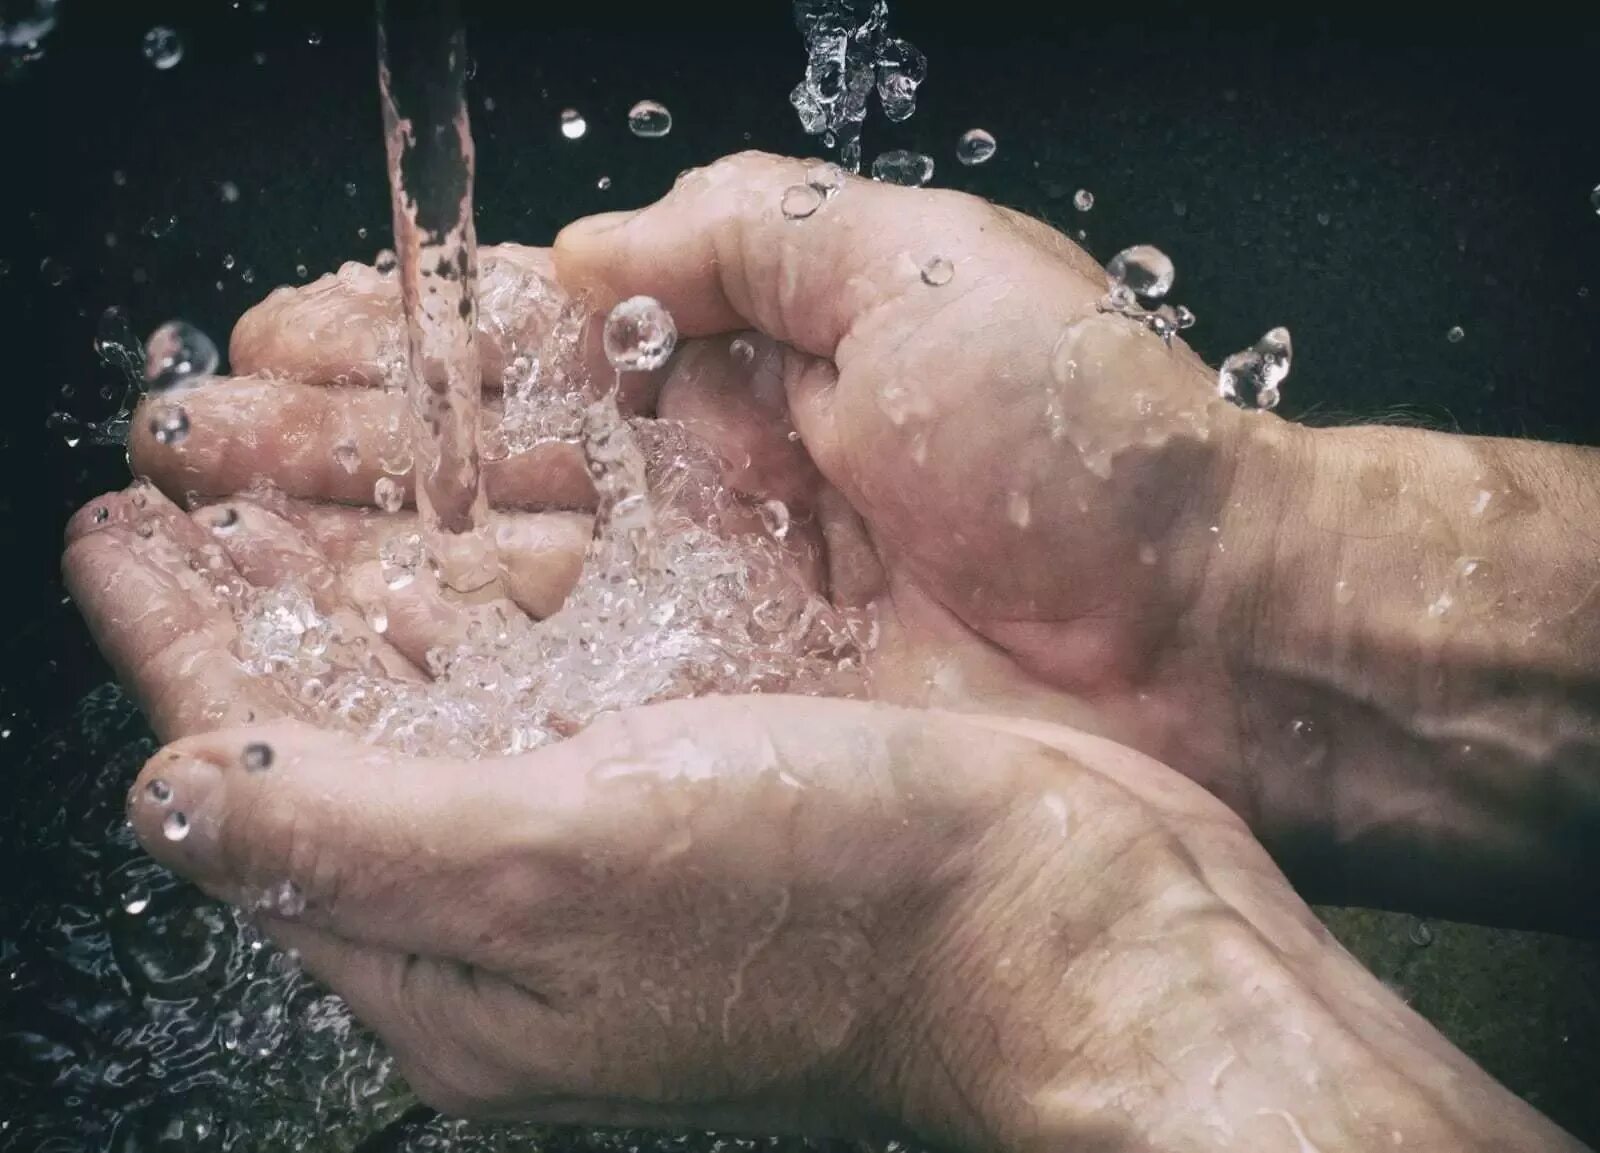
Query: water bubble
pixel 163 47
pixel 800 201
pixel 603 183
pixel 1083 200
pixel 225 519
pixel 1143 270
pixel 158 226
pixel 347 456
pixel 388 494
pixel 975 147
pixel 136 900
pixel 938 271
pixel 257 756
pixel 573 125
pixel 54 272
pixel 898 166
pixel 639 335
pixel 229 192
pixel 378 619
pixel 775 519
pixel 742 351
pixel 227 260
pixel 101 514
pixel 28 24
pixel 649 120
pixel 1456 334
pixel 1019 509
pixel 159 792
pixel 175 827
pixel 1594 198
pixel 827 178
pixel 301 271
pixel 350 188
pixel 1420 933
pixel 169 424
pixel 314 37
pixel 399 559
pixel 178 355
pixel 283 899
pixel 1255 375
pixel 1324 218
pixel 901 69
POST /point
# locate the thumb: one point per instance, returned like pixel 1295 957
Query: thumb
pixel 402 853
pixel 724 251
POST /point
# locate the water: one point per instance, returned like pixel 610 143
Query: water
pixel 573 125
pixel 899 166
pixel 1255 376
pixel 421 79
pixel 850 56
pixel 163 47
pixel 639 335
pixel 649 120
pixel 975 147
pixel 178 355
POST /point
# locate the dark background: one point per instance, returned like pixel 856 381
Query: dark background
pixel 1368 179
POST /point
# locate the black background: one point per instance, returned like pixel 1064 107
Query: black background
pixel 1451 157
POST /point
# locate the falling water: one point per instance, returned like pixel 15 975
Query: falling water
pixel 422 62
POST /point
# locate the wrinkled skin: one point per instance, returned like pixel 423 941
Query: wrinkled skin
pixel 776 913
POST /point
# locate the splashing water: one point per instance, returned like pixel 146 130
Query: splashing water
pixel 849 56
pixel 649 120
pixel 1254 377
pixel 976 146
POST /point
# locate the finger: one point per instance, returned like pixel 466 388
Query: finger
pixel 157 596
pixel 269 550
pixel 541 554
pixel 430 1013
pixel 324 444
pixel 348 328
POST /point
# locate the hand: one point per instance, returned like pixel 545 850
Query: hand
pixel 825 917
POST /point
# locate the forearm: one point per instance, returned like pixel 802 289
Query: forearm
pixel 1421 674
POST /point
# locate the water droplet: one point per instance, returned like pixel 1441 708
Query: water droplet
pixel 603 183
pixel 350 188
pixel 1594 198
pixel 775 519
pixel 1343 592
pixel 225 519
pixel 1143 270
pixel 257 755
pixel 1179 208
pixel 573 125
pixel 378 619
pixel 639 335
pixel 742 351
pixel 1254 376
pixel 169 424
pixel 1183 318
pixel 909 169
pixel 901 69
pixel 136 900
pixel 648 120
pixel 347 456
pixel 800 201
pixel 54 272
pixel 163 47
pixel 229 192
pixel 301 271
pixel 284 900
pixel 1019 509
pixel 399 560
pixel 101 514
pixel 1456 334
pixel 1420 933
pixel 227 260
pixel 314 37
pixel 159 792
pixel 827 178
pixel 388 494
pixel 1324 219
pixel 1147 554
pixel 178 355
pixel 975 147
pixel 175 827
pixel 1083 200
pixel 937 272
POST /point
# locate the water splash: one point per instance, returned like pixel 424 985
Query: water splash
pixel 850 55
pixel 1254 377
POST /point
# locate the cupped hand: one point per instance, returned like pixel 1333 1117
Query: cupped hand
pixel 770 914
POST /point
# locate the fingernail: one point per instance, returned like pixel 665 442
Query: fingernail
pixel 174 809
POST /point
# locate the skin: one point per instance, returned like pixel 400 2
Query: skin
pixel 951 910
